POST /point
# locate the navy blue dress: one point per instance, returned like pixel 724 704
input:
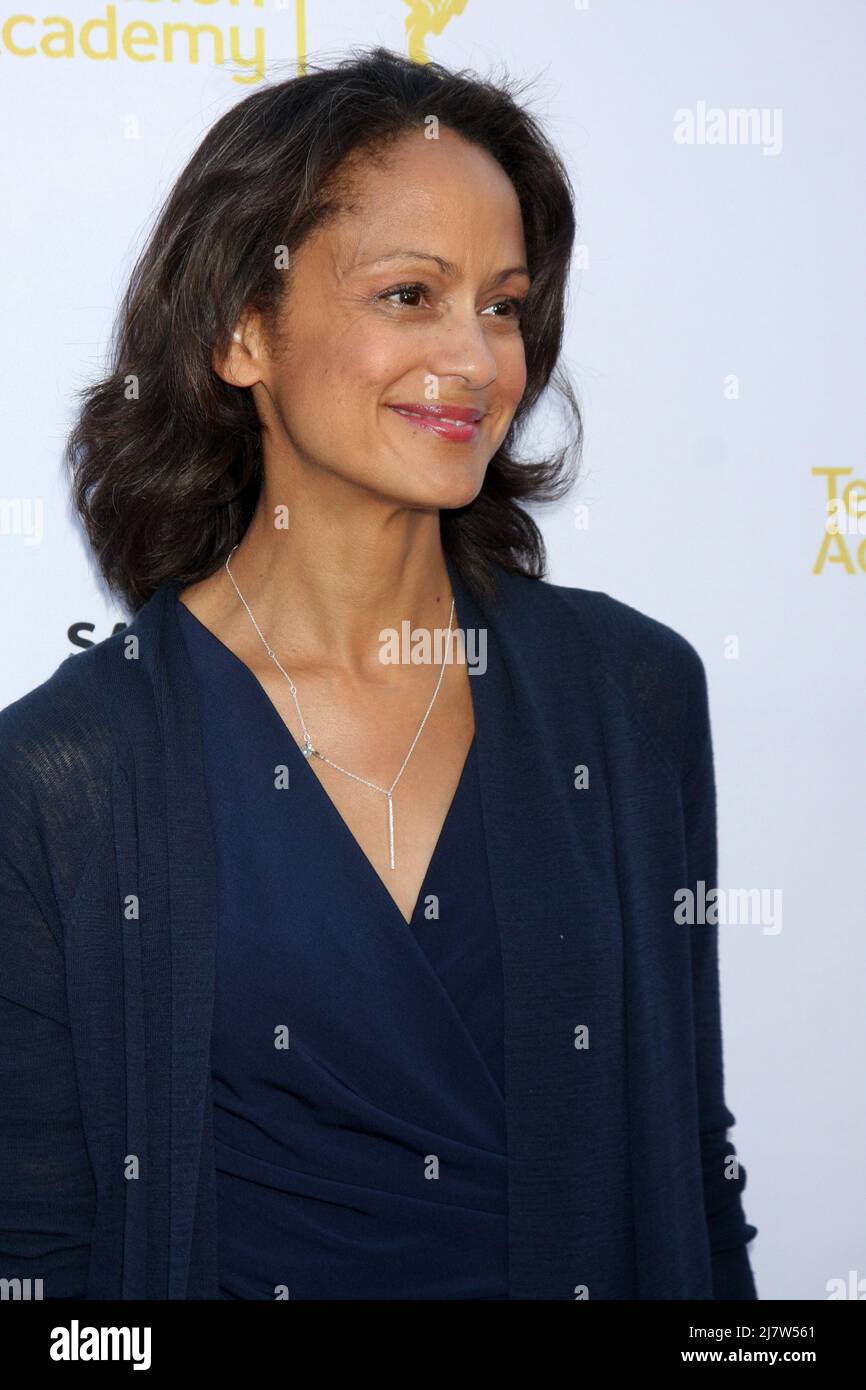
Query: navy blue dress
pixel 357 1060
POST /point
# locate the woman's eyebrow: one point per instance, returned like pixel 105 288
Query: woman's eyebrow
pixel 447 267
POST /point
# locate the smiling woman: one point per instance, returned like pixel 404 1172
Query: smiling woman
pixel 265 1034
pixel 392 259
pixel 352 355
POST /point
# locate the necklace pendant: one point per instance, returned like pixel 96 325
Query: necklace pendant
pixel 308 750
pixel 390 831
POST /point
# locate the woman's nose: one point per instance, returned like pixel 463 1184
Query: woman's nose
pixel 462 349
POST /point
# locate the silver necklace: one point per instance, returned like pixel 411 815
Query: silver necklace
pixel 310 752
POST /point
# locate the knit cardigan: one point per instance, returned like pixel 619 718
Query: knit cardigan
pixel 594 746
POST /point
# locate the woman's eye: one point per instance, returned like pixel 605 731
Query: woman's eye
pixel 512 303
pixel 405 289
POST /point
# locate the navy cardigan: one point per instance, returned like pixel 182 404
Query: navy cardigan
pixel 622 1182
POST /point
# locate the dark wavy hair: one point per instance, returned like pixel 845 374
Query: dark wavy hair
pixel 166 477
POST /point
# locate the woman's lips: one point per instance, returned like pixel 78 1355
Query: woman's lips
pixel 462 432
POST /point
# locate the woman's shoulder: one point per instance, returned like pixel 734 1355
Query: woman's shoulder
pixel 58 746
pixel 60 724
pixel 74 721
pixel 625 638
pixel 648 667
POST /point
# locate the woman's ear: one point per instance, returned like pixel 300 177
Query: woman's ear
pixel 238 364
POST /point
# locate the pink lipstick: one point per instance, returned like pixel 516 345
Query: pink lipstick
pixel 455 422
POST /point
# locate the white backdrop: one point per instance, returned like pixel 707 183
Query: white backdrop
pixel 716 339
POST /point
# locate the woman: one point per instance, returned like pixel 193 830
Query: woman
pixel 328 975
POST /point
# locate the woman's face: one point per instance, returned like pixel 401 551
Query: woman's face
pixel 355 345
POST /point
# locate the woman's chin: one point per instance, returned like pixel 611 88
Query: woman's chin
pixel 447 492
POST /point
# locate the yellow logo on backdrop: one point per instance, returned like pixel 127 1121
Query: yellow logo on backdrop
pixel 428 17
pixel 224 32
pixel 120 32
pixel 844 522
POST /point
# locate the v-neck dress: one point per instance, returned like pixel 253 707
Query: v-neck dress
pixel 357 1059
